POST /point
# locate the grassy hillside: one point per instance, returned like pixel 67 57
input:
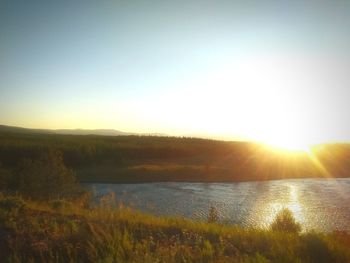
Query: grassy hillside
pixel 151 158
pixel 60 231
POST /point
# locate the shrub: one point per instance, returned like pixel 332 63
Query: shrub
pixel 46 177
pixel 60 204
pixel 213 215
pixel 285 222
pixel 316 248
pixel 12 203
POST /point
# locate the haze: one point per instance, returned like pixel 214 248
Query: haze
pixel 272 71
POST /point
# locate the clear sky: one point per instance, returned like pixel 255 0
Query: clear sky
pixel 264 70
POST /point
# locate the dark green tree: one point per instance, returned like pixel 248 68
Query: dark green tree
pixel 46 177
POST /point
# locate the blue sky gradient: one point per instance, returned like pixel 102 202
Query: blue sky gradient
pixel 144 66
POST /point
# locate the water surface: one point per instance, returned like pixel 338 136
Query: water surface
pixel 320 204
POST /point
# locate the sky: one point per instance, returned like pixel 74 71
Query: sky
pixel 275 71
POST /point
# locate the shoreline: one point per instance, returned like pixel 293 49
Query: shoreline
pixel 204 182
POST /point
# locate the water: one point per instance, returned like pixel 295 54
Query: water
pixel 318 204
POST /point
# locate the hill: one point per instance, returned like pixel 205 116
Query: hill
pixel 102 132
pixel 158 158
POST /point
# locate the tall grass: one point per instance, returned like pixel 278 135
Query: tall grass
pixel 60 231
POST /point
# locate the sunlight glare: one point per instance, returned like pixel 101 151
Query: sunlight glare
pixel 288 145
pixel 290 201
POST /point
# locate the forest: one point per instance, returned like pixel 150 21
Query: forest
pixel 159 158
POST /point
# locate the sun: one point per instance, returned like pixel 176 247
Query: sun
pixel 289 144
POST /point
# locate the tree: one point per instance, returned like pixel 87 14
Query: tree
pixel 285 222
pixel 46 177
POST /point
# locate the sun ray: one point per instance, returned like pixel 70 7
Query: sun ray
pixel 320 167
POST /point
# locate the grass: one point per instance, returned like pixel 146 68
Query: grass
pixel 62 231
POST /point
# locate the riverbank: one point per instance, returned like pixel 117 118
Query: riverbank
pixel 158 173
pixel 60 231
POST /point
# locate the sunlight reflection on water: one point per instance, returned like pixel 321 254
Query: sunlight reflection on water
pixel 318 204
pixel 267 209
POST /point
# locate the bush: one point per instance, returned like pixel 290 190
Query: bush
pixel 316 248
pixel 285 222
pixel 46 178
pixel 12 203
pixel 213 215
pixel 60 205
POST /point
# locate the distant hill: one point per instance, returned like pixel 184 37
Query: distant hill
pixel 13 129
pixel 103 132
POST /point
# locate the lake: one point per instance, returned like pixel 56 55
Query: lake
pixel 319 204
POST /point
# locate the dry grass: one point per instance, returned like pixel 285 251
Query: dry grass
pixel 67 232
